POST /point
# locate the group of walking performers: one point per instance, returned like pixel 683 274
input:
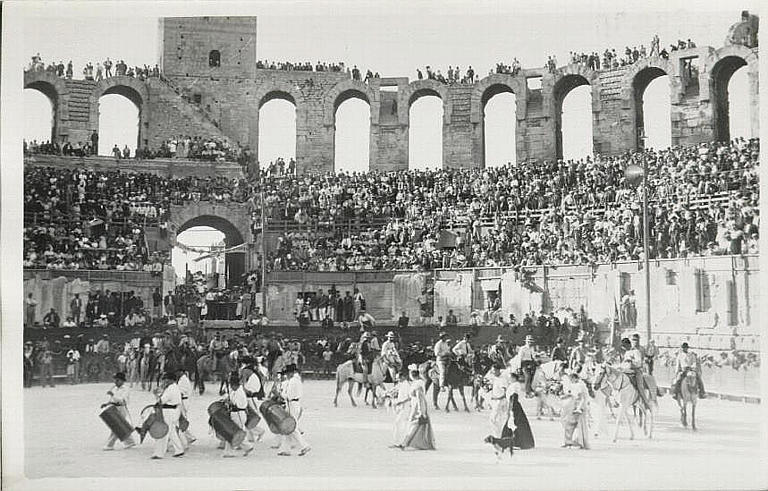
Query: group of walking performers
pixel 580 383
pixel 236 419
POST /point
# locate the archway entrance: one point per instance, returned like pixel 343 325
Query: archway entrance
pixel 39 114
pixel 119 120
pixel 277 129
pixel 499 127
pixel 352 133
pixel 425 132
pixel 208 245
pixel 653 120
pixel 731 99
pixel 573 117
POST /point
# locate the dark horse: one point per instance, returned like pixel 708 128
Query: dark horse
pixel 207 365
pixel 457 375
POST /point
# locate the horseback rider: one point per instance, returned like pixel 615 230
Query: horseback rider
pixel 499 353
pixel 558 352
pixel 632 365
pixel 463 349
pixel 366 355
pixel 390 355
pixel 578 356
pixel 687 360
pixel 442 351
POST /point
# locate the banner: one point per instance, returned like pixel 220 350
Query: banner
pixel 407 290
pixel 454 295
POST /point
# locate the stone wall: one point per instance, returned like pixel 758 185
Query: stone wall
pixel 711 302
pixel 224 101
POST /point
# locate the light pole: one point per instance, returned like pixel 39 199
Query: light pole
pixel 635 175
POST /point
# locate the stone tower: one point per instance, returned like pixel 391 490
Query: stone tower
pixel 208 47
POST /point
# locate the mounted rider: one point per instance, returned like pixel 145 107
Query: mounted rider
pixel 687 360
pixel 442 354
pixel 463 350
pixel 390 355
pixel 632 364
pixel 366 355
pixel 499 353
pixel 578 356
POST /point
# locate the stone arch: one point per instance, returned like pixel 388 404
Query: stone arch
pixel 55 89
pixel 564 80
pixel 721 65
pixel 635 83
pixel 350 89
pixel 492 85
pixel 281 91
pixel 132 89
pixel 421 88
pixel 231 219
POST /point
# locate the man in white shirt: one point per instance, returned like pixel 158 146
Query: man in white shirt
pixel 170 401
pixel 254 391
pixel 463 348
pixel 185 387
pixel 499 401
pixel 291 392
pixel 238 403
pixel 442 350
pixel 684 361
pixel 73 365
pixel 390 355
pixel 118 397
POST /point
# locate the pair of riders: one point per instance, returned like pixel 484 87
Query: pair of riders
pixel 443 353
pixel 367 354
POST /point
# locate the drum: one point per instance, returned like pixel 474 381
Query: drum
pixel 155 424
pixel 277 418
pixel 183 423
pixel 116 422
pixel 223 425
pixel 252 418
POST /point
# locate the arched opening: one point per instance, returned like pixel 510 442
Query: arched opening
pixel 119 120
pixel 425 132
pixel 205 244
pixel 214 58
pixel 499 126
pixel 352 133
pixel 731 98
pixel 277 129
pixel 39 115
pixel 573 117
pixel 653 119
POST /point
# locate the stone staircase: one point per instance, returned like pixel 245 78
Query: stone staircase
pixel 80 100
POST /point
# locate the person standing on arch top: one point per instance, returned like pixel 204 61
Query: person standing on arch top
pixel 95 142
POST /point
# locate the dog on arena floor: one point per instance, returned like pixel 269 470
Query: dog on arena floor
pixel 500 445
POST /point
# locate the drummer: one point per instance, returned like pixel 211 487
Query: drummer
pixel 170 401
pixel 238 402
pixel 185 387
pixel 291 392
pixel 254 391
pixel 118 397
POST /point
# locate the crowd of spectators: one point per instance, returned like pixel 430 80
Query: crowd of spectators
pixel 612 60
pixel 196 148
pixel 94 71
pixel 452 76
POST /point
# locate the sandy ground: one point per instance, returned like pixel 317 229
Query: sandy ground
pixel 64 438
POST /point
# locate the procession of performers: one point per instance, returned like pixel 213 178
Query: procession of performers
pixel 235 421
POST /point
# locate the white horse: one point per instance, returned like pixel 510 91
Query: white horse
pixel 345 373
pixel 628 397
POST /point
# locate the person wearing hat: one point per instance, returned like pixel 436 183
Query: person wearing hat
pixel 632 365
pixel 498 399
pixel 499 353
pixel 442 352
pixel 119 396
pixel 237 401
pixel 578 355
pixel 291 391
pixel 559 352
pixel 102 321
pixel 684 361
pixel 366 354
pixel 527 355
pixel 169 401
pixel 390 355
pixel 253 386
pixel 463 349
pixel 73 365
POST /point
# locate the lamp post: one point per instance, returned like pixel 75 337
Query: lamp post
pixel 635 175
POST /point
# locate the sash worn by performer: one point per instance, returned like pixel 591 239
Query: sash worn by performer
pixel 170 403
pixel 291 392
pixel 118 397
pixel 185 387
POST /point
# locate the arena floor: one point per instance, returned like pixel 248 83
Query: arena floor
pixel 349 449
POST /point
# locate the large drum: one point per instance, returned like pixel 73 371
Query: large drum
pixel 277 418
pixel 154 424
pixel 116 422
pixel 223 425
pixel 252 418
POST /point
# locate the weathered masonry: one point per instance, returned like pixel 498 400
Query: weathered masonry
pixel 211 87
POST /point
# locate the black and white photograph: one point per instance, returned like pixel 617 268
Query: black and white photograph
pixel 381 245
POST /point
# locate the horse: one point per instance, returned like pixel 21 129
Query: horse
pixel 628 396
pixel 345 373
pixel 456 377
pixel 688 394
pixel 204 367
